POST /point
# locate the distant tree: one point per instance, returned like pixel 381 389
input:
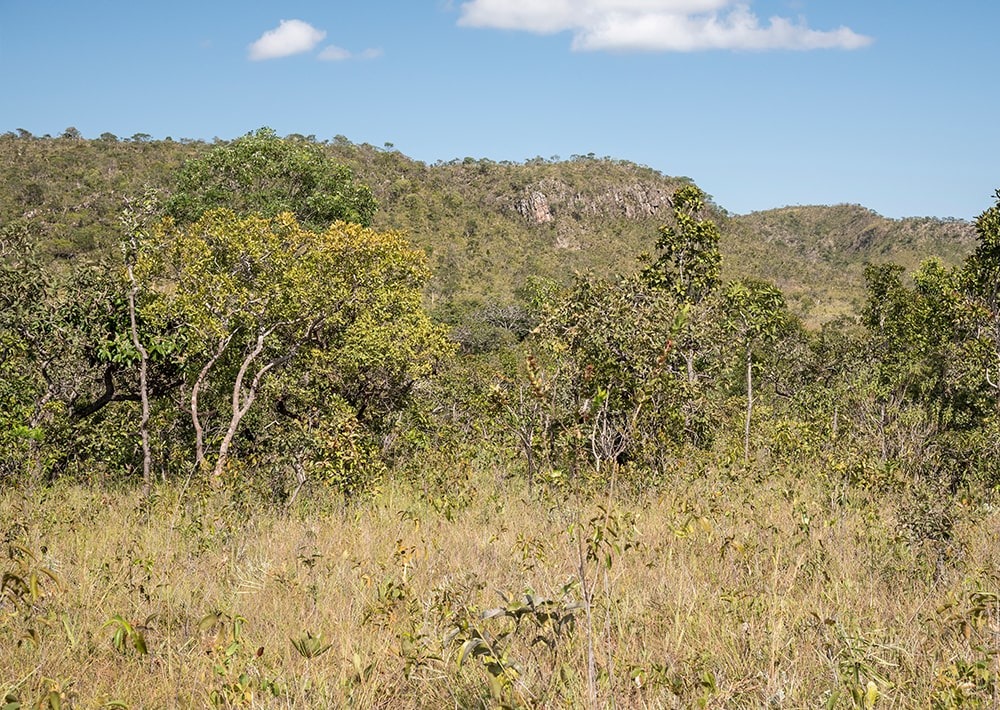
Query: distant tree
pixel 689 263
pixel 688 267
pixel 603 362
pixel 756 314
pixel 266 175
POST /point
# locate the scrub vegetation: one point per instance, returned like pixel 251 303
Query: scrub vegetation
pixel 273 435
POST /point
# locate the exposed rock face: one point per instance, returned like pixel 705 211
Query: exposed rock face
pixel 638 201
pixel 534 207
pixel 550 199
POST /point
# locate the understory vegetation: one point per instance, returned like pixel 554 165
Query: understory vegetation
pixel 254 456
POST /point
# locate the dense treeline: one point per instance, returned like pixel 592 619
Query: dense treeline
pixel 253 324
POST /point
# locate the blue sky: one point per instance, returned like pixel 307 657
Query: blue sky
pixel 764 103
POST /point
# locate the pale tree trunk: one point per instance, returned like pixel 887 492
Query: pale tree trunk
pixel 199 430
pixel 147 456
pixel 689 361
pixel 525 416
pixel 746 428
pixel 242 399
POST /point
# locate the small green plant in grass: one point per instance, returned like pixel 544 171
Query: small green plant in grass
pixel 54 696
pixel 310 646
pixel 971 680
pixel 27 586
pixel 607 536
pixel 127 635
pixel 233 662
pixel 417 651
pixel 394 600
pixel 228 640
pixel 864 666
pixel 24 583
pixel 967 684
pixel 517 640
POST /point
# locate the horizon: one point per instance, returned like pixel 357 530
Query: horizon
pixel 523 161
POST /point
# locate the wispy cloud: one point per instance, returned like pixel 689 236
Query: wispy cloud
pixel 289 37
pixel 334 53
pixel 656 25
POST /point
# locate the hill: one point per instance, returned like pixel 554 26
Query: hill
pixel 488 225
pixel 817 254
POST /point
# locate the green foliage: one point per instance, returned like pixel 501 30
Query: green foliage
pixel 689 263
pixel 502 638
pixel 69 192
pixel 464 214
pixel 313 321
pixel 604 374
pixel 126 635
pixel 755 311
pixel 309 646
pixel 982 269
pixel 266 175
pixel 66 358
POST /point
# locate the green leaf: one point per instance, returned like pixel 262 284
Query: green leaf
pixel 470 646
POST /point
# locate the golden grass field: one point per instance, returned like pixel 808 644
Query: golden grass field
pixel 718 591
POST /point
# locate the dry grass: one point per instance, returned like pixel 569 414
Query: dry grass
pixel 781 592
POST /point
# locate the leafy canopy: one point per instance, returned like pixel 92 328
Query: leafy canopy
pixel 689 263
pixel 330 314
pixel 264 174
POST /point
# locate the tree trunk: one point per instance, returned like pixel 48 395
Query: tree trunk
pixel 147 456
pixel 746 428
pixel 199 431
pixel 242 399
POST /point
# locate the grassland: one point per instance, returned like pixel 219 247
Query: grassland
pixel 722 589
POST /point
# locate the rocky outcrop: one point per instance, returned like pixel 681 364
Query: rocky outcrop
pixel 534 207
pixel 551 200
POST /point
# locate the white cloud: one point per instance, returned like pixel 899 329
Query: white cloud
pixel 334 54
pixel 289 37
pixel 339 54
pixel 655 25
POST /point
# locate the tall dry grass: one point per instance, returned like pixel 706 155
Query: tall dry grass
pixel 717 591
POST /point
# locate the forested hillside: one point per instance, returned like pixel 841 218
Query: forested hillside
pixel 487 226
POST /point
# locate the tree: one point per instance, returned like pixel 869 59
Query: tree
pixel 926 383
pixel 65 359
pixel 688 268
pixel 134 219
pixel 603 361
pixel 263 174
pixel 756 314
pixel 689 262
pixel 338 312
pixel 981 279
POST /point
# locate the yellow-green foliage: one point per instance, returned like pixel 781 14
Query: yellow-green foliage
pixel 720 591
pixel 317 320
